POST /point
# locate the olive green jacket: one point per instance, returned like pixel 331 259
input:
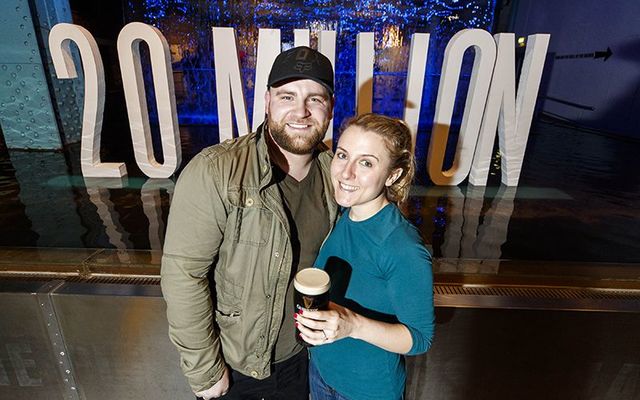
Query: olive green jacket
pixel 227 213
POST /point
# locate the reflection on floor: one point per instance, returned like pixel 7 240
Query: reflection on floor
pixel 582 208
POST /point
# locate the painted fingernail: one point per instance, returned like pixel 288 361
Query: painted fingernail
pixel 300 311
pixel 296 324
pixel 295 316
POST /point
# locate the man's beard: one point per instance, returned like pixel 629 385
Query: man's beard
pixel 298 144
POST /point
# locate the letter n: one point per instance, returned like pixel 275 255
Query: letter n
pixel 510 115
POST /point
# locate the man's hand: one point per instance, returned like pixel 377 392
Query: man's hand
pixel 219 389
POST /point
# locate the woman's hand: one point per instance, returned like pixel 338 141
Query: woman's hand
pixel 321 327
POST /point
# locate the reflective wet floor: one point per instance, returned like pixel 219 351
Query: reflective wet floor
pixel 577 201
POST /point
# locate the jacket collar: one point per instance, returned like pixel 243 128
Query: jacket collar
pixel 263 155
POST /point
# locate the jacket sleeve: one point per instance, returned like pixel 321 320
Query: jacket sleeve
pixel 195 230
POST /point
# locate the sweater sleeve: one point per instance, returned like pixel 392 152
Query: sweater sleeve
pixel 407 266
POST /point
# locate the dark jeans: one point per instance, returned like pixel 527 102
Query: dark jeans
pixel 319 389
pixel 289 380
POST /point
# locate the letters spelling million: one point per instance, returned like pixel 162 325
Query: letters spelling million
pixel 492 95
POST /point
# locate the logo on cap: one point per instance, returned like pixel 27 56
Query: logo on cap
pixel 302 66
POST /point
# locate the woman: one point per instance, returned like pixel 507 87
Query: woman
pixel 382 287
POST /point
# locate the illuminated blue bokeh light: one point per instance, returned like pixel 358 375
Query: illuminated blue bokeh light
pixel 187 27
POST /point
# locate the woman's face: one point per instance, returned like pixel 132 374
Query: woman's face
pixel 360 170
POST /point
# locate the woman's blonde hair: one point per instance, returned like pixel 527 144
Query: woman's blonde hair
pixel 397 137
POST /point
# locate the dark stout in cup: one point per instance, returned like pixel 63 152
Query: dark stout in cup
pixel 311 293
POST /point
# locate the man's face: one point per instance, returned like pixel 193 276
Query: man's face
pixel 298 115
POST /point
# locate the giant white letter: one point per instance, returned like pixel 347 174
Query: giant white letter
pixel 364 72
pixel 59 39
pixel 485 55
pixel 268 50
pixel 132 79
pixel 301 37
pixel 327 46
pixel 228 83
pixel 415 81
pixel 510 112
pixel 501 97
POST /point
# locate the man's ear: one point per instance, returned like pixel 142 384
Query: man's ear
pixel 393 177
pixel 333 104
pixel 267 99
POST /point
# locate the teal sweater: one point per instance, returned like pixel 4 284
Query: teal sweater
pixel 381 269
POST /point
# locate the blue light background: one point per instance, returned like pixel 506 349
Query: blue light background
pixel 187 27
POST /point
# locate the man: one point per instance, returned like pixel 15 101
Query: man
pixel 248 214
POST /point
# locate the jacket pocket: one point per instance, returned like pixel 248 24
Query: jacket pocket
pixel 252 221
pixel 228 294
pixel 226 319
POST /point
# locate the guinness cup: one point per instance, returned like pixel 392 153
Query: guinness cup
pixel 311 293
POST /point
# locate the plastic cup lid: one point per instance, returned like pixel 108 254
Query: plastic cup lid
pixel 312 281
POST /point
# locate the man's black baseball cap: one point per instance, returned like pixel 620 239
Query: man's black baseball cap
pixel 302 63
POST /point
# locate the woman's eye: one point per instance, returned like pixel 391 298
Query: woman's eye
pixel 366 163
pixel 341 155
